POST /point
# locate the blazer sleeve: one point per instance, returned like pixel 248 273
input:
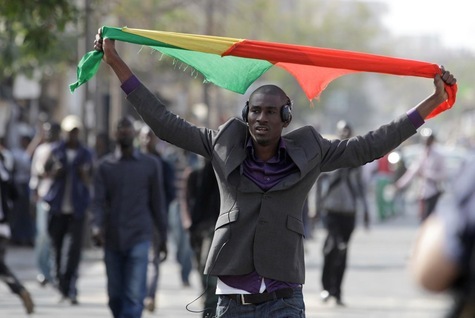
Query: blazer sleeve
pixel 360 150
pixel 168 126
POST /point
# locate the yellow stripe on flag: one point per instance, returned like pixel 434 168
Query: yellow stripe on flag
pixel 194 42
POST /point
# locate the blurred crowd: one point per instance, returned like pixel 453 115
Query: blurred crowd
pixel 50 174
pixel 54 217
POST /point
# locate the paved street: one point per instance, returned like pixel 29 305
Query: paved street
pixel 377 283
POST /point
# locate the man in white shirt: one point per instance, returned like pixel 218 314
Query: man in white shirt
pixel 431 169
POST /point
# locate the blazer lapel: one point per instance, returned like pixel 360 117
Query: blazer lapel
pixel 298 156
pixel 300 159
pixel 235 157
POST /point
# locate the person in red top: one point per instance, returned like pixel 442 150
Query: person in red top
pixel 384 177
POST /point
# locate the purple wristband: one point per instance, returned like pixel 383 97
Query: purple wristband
pixel 415 118
pixel 130 84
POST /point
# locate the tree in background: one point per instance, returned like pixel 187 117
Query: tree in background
pixel 32 36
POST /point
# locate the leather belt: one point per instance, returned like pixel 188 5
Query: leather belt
pixel 255 299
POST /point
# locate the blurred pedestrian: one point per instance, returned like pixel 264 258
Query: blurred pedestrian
pixel 21 221
pixel 178 218
pixel 70 167
pixel 444 254
pixel 202 201
pixel 384 178
pixel 148 144
pixel 103 145
pixel 340 194
pixel 128 202
pixel 431 170
pixel 40 182
pixel 7 195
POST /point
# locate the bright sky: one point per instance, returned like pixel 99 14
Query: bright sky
pixel 453 20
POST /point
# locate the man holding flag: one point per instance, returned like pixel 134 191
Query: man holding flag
pixel 264 177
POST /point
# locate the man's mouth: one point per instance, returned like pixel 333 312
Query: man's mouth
pixel 261 129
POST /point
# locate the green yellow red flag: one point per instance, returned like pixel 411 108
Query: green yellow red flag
pixel 235 64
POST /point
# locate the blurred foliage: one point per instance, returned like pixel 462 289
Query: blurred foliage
pixel 43 33
pixel 32 35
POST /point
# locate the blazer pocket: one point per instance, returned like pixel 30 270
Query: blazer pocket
pixel 295 225
pixel 227 218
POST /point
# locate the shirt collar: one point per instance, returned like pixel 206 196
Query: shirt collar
pixel 281 151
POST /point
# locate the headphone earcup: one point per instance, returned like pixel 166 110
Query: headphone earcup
pixel 245 112
pixel 286 113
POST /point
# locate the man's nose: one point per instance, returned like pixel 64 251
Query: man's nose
pixel 262 117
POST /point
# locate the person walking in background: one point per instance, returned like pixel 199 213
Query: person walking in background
pixel 7 195
pixel 339 195
pixel 39 184
pixel 264 176
pixel 102 145
pixel 21 221
pixel 70 167
pixel 431 170
pixel 128 202
pixel 148 144
pixel 384 179
pixel 178 218
pixel 202 201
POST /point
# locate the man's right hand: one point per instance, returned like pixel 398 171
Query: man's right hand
pixel 107 46
pixel 111 57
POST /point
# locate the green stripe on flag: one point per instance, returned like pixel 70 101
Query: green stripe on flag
pixel 233 73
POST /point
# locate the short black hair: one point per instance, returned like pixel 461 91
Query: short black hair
pixel 270 89
pixel 125 121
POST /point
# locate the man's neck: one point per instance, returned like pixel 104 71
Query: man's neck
pixel 127 151
pixel 265 153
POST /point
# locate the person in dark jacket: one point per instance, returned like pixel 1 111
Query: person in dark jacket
pixel 7 195
pixel 340 194
pixel 202 200
pixel 148 144
pixel 128 203
pixel 70 167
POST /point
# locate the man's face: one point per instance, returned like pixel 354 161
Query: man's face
pixel 73 135
pixel 345 133
pixel 265 122
pixel 147 139
pixel 125 134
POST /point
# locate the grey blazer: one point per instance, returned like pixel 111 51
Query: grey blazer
pixel 263 230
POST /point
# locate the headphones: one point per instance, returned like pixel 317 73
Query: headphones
pixel 285 112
